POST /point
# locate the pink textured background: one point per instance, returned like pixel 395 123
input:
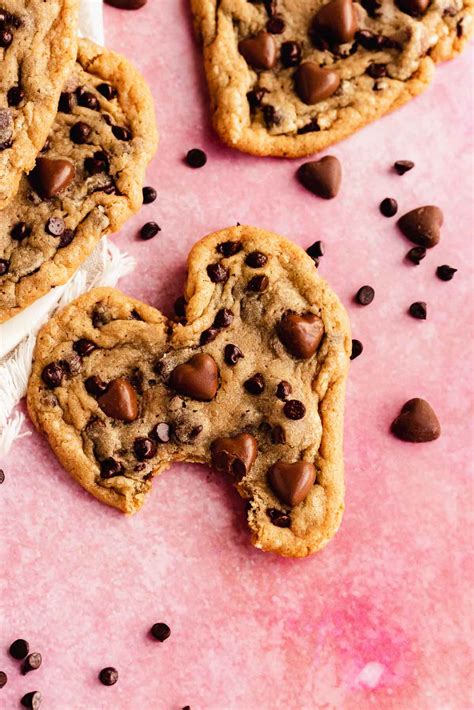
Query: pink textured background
pixel 382 617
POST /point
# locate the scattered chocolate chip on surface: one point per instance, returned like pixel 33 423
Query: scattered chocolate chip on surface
pixel 357 349
pixel 321 177
pixel 3 679
pixel 53 374
pixel 418 310
pixel 388 207
pixel 403 166
pixel 108 676
pixel 31 663
pixel 149 230
pixel 256 260
pixel 316 250
pixel 2 476
pixel 417 422
pixel 144 448
pixel 196 158
pixel 95 386
pixel 127 4
pixel 32 700
pixel 365 295
pixel 217 273
pixel 160 631
pixel 149 195
pixel 84 347
pixel 19 649
pixel 416 254
pixel 229 248
pixel 445 272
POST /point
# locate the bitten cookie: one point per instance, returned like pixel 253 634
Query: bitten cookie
pixel 86 182
pixel 251 381
pixel 291 77
pixel 38 45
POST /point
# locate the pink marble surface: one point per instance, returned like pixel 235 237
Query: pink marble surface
pixel 382 617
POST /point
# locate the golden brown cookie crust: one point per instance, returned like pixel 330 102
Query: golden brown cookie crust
pixel 69 416
pixel 221 23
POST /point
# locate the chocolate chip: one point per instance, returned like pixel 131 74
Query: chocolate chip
pixel 149 195
pixel 119 401
pixel 19 649
pixel 127 4
pixel 255 384
pixel 2 476
pixel 179 307
pixel 416 254
pixel 84 347
pixel 316 250
pixel 3 679
pixel 415 8
pixel 208 335
pixel 256 259
pixel 418 310
pixel 388 207
pixel 20 231
pixel 258 284
pixel 196 158
pixel 271 116
pixel 445 272
pixel 294 409
pixel 300 334
pixel 259 51
pixel 4 266
pixel 278 435
pixel 149 230
pixel 160 433
pixel 275 25
pixel 87 99
pixel 365 295
pixel 290 54
pixel 279 518
pixel 6 38
pixel 417 422
pixel 255 98
pixel 122 133
pixel 229 248
pixel 223 318
pixel 108 676
pixel 107 91
pixel 403 166
pixel 98 163
pixel 160 631
pixel 310 127
pixel 80 132
pixel 53 374
pixel 460 28
pixel 66 238
pixel 110 468
pixel 197 378
pixel 55 226
pixel 232 354
pixel 371 41
pixel 32 700
pixel 357 348
pixel 144 448
pixel 283 390
pixel 376 71
pixel 314 83
pixel 95 386
pixel 15 96
pixel 67 101
pixel 31 663
pixel 217 273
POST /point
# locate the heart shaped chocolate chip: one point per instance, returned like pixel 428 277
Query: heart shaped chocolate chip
pixel 119 401
pixel 336 21
pixel 417 422
pixel 292 482
pixel 301 335
pixel 259 51
pixel 321 177
pixel 422 225
pixel 197 378
pixel 234 455
pixel 50 177
pixel 313 84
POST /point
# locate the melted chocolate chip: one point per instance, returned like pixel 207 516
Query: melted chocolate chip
pixel 66 238
pixel 217 273
pixel 258 284
pixel 87 99
pixel 67 101
pixel 84 347
pixel 15 96
pixel 310 127
pixel 6 38
pixel 232 354
pixel 256 259
pixel 122 133
pixel 179 307
pixel 255 98
pixel 278 435
pixel 275 25
pixel 229 248
pixel 20 231
pixel 4 266
pixel 80 132
pixel 271 116
pixel 208 335
pixel 98 163
pixel 256 384
pixel 53 374
pixel 294 409
pixel 223 318
pixel 283 390
pixel 279 518
pixel 160 433
pixel 110 468
pixel 144 448
pixel 376 71
pixel 290 54
pixel 95 386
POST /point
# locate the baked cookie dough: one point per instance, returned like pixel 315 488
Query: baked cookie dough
pixel 291 77
pixel 86 182
pixel 250 380
pixel 38 45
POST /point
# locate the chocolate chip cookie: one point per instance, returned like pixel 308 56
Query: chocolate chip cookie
pixel 250 379
pixel 291 77
pixel 38 44
pixel 86 182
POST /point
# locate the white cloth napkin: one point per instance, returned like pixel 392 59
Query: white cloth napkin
pixel 103 268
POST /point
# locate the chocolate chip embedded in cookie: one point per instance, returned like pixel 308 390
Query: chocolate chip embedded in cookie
pixel 86 181
pixel 121 392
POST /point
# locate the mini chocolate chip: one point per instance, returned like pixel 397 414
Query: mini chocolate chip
pixel 217 273
pixel 84 347
pixel 144 448
pixel 445 272
pixel 271 116
pixel 290 54
pixel 31 663
pixel 20 231
pixel 196 158
pixel 418 310
pixel 95 386
pixel 19 649
pixel 87 99
pixel 110 468
pixel 316 250
pixel 107 91
pixel 294 409
pixel 149 230
pixel 459 28
pixel 229 248
pixel 365 295
pixel 149 195
pixel 3 679
pixel 108 676
pixel 416 254
pixel 403 166
pixel 2 476
pixel 255 98
pixel 258 283
pixel 98 163
pixel 67 101
pixel 279 518
pixel 256 259
pixel 4 266
pixel 32 700
pixel 55 226
pixel 160 433
pixel 122 133
pixel 232 354
pixel 276 25
pixel 278 435
pixel 376 71
pixel 208 335
pixel 66 238
pixel 357 348
pixel 310 127
pixel 6 38
pixel 53 374
pixel 255 384
pixel 223 318
pixel 283 390
pixel 15 96
pixel 80 132
pixel 160 631
pixel 388 207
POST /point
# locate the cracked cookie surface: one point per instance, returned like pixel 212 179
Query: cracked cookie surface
pixel 291 77
pixel 38 44
pixel 87 179
pixel 251 381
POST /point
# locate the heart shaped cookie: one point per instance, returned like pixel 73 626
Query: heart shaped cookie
pixel 250 381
